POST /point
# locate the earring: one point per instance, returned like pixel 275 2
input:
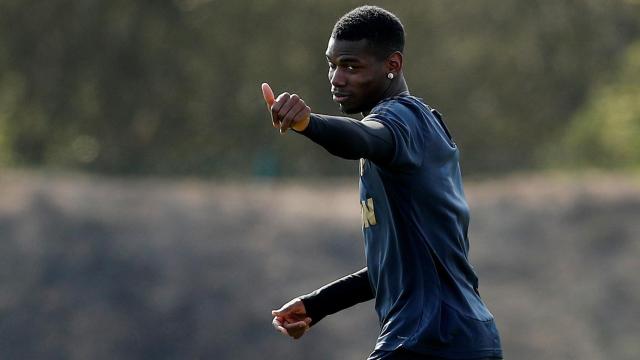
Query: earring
pixel 390 76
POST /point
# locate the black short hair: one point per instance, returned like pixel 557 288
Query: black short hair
pixel 382 29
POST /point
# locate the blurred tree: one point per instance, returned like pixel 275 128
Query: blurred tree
pixel 508 75
pixel 172 86
pixel 605 132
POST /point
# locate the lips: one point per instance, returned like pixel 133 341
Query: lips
pixel 340 96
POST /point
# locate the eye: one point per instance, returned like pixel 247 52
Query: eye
pixel 332 65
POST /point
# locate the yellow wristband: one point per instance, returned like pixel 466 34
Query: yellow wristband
pixel 301 125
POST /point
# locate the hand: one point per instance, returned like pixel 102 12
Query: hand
pixel 287 111
pixel 291 319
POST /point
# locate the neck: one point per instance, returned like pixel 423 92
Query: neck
pixel 397 86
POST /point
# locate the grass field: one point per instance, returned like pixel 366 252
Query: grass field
pixel 107 268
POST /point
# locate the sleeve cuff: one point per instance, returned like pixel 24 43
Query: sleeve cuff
pixel 312 307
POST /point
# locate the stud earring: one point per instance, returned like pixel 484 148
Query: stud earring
pixel 390 76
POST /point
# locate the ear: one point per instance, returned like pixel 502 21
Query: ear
pixel 394 63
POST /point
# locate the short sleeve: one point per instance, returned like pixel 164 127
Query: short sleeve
pixel 406 130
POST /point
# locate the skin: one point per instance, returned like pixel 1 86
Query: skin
pixel 291 319
pixel 359 75
pixel 358 81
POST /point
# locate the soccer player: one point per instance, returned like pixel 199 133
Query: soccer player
pixel 414 213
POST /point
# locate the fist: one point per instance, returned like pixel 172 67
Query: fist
pixel 291 319
pixel 287 111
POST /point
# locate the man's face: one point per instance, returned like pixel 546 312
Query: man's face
pixel 358 79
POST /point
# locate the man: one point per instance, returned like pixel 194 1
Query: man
pixel 414 213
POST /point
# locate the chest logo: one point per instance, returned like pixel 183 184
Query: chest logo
pixel 368 213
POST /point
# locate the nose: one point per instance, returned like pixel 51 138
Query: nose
pixel 337 78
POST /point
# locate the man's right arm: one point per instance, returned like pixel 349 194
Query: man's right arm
pixel 338 295
pixel 341 136
pixel 351 139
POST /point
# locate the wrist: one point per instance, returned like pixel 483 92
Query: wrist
pixel 302 125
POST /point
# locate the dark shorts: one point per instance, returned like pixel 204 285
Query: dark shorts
pixel 404 354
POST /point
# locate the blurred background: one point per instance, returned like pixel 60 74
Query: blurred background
pixel 148 210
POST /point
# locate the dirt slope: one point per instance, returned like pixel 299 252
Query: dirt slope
pixel 156 269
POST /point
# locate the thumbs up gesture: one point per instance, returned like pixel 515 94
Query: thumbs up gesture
pixel 287 111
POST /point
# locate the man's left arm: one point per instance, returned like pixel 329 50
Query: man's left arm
pixel 338 295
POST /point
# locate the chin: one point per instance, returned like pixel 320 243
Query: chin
pixel 350 109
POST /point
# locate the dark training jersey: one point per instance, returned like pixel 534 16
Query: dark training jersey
pixel 415 220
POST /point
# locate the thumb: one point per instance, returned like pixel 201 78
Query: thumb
pixel 284 310
pixel 267 93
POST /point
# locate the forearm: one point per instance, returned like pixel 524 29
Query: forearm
pixel 351 139
pixel 338 295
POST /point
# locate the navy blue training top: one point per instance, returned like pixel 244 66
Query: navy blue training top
pixel 415 220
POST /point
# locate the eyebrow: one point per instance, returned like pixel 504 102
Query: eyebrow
pixel 345 59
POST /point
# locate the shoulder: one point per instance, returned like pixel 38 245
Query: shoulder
pixel 407 110
pixel 406 105
pixel 401 100
pixel 406 118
